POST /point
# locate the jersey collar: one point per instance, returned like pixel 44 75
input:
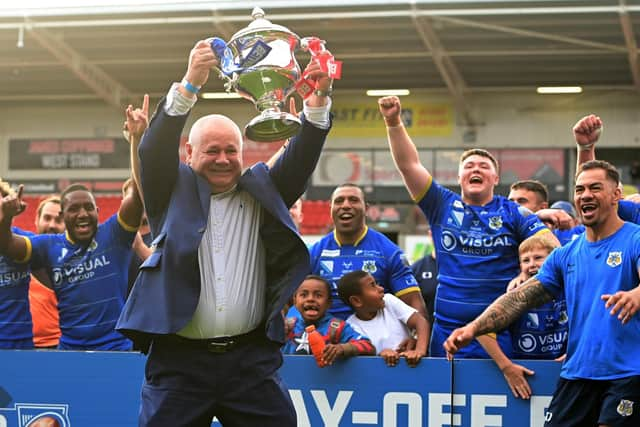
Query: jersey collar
pixel 358 240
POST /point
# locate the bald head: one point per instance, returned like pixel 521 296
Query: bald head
pixel 214 151
pixel 213 121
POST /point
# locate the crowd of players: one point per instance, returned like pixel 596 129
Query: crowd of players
pixel 65 286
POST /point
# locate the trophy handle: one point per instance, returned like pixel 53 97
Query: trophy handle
pixel 225 57
pixel 313 44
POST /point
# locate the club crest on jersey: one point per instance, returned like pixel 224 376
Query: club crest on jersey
pixel 625 407
pixel 369 266
pixel 495 222
pixel 614 259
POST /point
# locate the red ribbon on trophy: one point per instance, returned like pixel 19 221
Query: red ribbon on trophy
pixel 327 62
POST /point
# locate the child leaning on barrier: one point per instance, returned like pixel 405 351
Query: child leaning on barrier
pixel 384 318
pixel 312 300
pixel 541 333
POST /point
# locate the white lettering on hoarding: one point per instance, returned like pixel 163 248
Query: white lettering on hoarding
pixel 333 414
pixel 479 402
pixel 538 410
pixel 390 405
pixel 439 418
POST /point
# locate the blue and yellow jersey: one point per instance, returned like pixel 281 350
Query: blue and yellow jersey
pixel 90 283
pixel 374 253
pixel 541 333
pixel 477 250
pixel 15 317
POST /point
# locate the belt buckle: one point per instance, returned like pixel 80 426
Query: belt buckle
pixel 220 347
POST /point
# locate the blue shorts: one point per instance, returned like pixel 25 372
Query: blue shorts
pixel 615 403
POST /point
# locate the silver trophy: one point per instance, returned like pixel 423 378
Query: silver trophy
pixel 259 64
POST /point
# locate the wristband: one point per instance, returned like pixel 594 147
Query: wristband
pixel 585 147
pixel 191 88
pixel 319 92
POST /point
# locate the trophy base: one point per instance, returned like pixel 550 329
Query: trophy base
pixel 271 126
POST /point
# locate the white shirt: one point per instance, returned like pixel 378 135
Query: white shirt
pixel 232 269
pixel 389 328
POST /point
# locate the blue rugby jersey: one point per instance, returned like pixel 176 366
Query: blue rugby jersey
pixel 541 333
pixel 477 250
pixel 15 316
pixel 599 346
pixel 566 236
pixel 629 211
pixel 374 253
pixel 90 283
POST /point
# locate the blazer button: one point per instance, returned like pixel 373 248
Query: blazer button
pixel 201 230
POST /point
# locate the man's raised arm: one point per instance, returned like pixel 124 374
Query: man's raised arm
pixel 12 245
pixel 500 314
pixel 405 155
pixel 586 133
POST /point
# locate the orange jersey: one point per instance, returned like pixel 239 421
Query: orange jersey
pixel 44 312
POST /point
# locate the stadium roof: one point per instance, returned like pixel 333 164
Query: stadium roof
pixel 120 49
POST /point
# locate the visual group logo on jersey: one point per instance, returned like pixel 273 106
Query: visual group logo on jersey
pixel 448 241
pixel 13 278
pixel 527 343
pixel 81 271
pixel 35 415
pixel 473 245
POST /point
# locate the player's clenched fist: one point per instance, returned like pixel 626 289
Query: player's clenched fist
pixel 390 109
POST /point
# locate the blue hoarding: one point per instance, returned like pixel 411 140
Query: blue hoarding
pixel 103 389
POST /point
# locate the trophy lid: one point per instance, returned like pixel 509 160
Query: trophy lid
pixel 261 24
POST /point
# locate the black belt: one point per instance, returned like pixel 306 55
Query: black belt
pixel 218 344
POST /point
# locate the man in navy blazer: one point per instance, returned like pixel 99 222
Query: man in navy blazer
pixel 207 303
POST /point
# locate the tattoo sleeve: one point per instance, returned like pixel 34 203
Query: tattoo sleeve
pixel 506 309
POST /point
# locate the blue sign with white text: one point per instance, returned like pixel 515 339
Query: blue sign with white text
pixel 102 389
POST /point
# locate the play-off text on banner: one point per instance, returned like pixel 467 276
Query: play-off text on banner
pixel 364 119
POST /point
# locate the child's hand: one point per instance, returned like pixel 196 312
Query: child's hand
pixel 331 353
pixel 407 344
pixel 289 324
pixel 391 357
pixel 413 357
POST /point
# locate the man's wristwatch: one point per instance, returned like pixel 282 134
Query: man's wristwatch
pixel 319 92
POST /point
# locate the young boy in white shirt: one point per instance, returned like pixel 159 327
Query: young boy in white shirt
pixel 384 318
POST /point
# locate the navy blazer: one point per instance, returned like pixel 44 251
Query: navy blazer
pixel 166 292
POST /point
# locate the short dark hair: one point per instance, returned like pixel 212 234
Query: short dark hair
pixel 349 285
pixel 50 199
pixel 319 279
pixel 351 185
pixel 482 153
pixel 611 171
pixel 70 189
pixel 534 186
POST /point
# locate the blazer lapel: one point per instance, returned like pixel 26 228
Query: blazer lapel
pixel 259 185
pixel 204 194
